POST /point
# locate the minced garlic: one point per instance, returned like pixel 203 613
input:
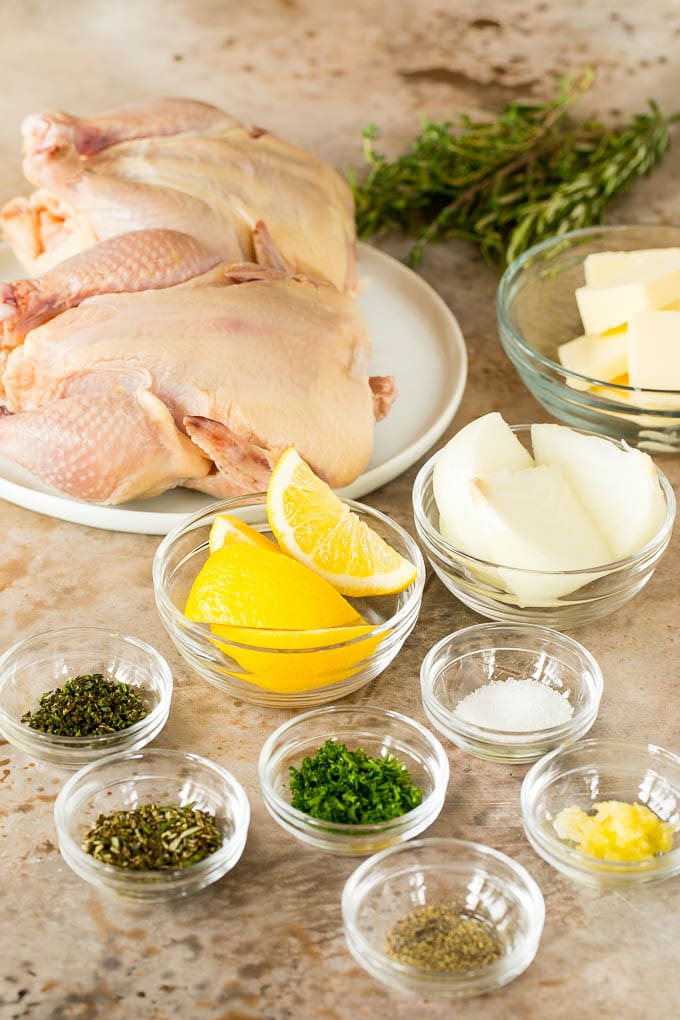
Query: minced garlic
pixel 616 832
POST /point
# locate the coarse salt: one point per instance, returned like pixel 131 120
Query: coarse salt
pixel 511 705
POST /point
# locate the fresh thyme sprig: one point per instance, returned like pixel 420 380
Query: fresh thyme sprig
pixel 507 182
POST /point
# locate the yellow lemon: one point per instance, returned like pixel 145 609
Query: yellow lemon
pixel 302 660
pixel 226 528
pixel 250 586
pixel 315 527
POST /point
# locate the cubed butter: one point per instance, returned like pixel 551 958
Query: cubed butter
pixel 654 350
pixel 603 266
pixel 641 287
pixel 601 357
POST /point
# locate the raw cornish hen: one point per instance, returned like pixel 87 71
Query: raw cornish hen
pixel 202 381
pixel 181 165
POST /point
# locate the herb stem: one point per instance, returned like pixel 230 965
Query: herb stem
pixel 507 182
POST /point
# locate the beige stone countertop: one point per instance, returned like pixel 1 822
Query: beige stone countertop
pixel 267 941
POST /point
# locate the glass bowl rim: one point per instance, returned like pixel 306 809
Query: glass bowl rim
pixel 304 820
pixel 527 891
pixel 594 686
pixel 534 783
pixel 513 271
pixel 423 479
pixel 55 740
pixel 393 624
pixel 237 795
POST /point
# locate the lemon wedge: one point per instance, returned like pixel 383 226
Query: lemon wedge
pixel 314 526
pixel 226 528
pixel 293 661
pixel 249 586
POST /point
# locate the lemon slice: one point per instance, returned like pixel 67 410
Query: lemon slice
pixel 226 528
pixel 315 527
pixel 249 586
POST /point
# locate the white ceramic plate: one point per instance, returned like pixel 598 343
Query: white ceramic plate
pixel 416 338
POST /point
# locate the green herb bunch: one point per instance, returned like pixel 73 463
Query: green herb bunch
pixel 153 837
pixel 338 785
pixel 507 182
pixel 88 705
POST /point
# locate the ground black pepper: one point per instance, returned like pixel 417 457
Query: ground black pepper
pixel 439 937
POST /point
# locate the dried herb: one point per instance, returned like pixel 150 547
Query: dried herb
pixel 153 837
pixel 87 705
pixel 509 181
pixel 440 938
pixel 338 785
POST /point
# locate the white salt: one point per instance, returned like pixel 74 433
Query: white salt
pixel 515 705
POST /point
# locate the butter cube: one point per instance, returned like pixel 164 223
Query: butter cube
pixel 640 287
pixel 654 350
pixel 602 266
pixel 601 357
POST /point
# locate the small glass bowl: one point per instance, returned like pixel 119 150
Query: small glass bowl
pixel 123 782
pixel 468 876
pixel 378 732
pixel 590 772
pixel 45 661
pixel 478 584
pixel 273 674
pixel 471 658
pixel 537 311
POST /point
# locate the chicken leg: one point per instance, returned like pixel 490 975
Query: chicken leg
pixel 142 260
pixel 107 448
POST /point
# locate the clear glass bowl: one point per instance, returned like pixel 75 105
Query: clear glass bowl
pixel 470 658
pixel 378 732
pixel 45 661
pixel 123 782
pixel 599 770
pixel 478 584
pixel 263 674
pixel 467 876
pixel 537 311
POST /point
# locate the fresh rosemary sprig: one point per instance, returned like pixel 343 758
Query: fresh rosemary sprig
pixel 506 183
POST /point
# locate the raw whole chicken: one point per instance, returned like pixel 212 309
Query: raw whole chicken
pixel 148 362
pixel 180 165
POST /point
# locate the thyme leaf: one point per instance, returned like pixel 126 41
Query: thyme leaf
pixel 87 705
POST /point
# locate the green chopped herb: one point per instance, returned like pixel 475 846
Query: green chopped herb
pixel 338 785
pixel 85 706
pixel 438 937
pixel 506 182
pixel 153 837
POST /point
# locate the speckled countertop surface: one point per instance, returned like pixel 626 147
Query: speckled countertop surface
pixel 266 941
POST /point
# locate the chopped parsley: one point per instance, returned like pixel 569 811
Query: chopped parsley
pixel 338 785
